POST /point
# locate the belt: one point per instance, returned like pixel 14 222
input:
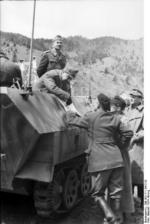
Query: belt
pixel 105 140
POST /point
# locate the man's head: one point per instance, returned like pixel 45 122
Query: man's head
pixel 118 104
pixel 126 98
pixel 58 42
pixel 137 97
pixel 104 102
pixel 69 73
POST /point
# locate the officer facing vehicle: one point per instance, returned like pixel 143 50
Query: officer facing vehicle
pixel 136 121
pixel 105 162
pixel 57 82
pixel 118 105
pixel 10 73
pixel 53 58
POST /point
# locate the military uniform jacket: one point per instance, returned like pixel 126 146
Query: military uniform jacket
pixel 51 60
pixel 9 71
pixel 135 119
pixel 51 82
pixel 102 128
pixel 136 122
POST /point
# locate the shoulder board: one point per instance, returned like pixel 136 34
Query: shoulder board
pixel 140 108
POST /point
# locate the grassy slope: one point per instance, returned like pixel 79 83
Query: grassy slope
pixel 106 64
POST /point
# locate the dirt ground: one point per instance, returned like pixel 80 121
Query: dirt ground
pixel 17 209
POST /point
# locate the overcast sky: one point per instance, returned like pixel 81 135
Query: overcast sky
pixel 95 18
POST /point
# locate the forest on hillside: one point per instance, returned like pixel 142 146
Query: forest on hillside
pixel 107 64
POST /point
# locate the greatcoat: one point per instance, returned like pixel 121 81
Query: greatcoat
pixel 102 127
pixel 136 121
pixel 127 201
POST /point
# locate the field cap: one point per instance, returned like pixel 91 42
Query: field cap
pixel 58 37
pixel 118 102
pixel 71 71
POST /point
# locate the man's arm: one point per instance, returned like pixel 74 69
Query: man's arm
pixel 139 135
pixel 73 119
pixel 42 68
pixel 125 133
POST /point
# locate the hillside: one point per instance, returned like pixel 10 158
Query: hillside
pixel 107 64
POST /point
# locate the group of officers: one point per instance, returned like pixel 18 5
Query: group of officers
pixel 115 154
pixel 115 131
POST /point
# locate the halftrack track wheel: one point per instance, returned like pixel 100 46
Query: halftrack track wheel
pixel 47 196
pixel 85 181
pixel 70 193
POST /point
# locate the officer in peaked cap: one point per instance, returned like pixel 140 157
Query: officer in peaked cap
pixel 118 105
pixel 105 162
pixel 53 58
pixel 136 121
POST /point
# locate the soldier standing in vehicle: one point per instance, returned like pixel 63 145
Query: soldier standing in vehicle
pixel 105 162
pixel 136 121
pixel 53 58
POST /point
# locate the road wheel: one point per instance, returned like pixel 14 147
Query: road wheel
pixel 47 197
pixel 85 181
pixel 70 193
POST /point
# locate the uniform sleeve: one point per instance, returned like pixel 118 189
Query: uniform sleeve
pixel 42 68
pixel 125 133
pixel 82 122
pixel 51 86
pixel 140 133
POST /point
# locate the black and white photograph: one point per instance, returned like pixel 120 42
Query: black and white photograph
pixel 72 87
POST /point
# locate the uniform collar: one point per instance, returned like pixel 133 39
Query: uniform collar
pixel 140 107
pixel 100 110
pixel 54 52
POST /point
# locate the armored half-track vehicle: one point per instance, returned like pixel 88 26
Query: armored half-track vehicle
pixel 40 155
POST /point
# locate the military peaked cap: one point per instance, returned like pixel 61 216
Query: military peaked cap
pixel 136 92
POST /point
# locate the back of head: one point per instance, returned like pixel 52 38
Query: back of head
pixel 104 101
pixel 9 73
pixel 119 102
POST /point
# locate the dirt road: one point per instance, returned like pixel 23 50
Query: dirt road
pixel 16 209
